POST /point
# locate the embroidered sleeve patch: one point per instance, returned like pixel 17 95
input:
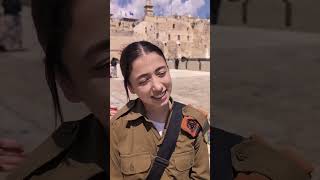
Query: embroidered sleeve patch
pixel 191 126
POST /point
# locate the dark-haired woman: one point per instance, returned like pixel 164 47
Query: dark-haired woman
pixel 140 131
pixel 73 36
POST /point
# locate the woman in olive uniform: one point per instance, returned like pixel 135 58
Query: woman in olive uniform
pixel 142 126
pixel 74 39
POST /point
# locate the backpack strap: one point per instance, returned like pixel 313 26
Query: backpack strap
pixel 166 149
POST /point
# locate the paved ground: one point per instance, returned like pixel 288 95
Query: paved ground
pixel 268 82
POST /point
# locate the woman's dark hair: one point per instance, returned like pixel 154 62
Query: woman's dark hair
pixel 131 53
pixel 52 19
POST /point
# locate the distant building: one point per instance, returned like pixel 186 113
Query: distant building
pixel 177 36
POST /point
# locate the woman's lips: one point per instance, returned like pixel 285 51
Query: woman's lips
pixel 160 96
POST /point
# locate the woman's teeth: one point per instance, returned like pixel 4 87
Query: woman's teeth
pixel 160 95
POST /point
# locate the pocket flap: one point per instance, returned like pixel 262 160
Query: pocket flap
pixel 184 161
pixel 133 164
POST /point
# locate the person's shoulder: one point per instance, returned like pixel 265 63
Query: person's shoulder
pixel 52 147
pixel 197 114
pixel 123 113
pixel 195 122
pixel 254 157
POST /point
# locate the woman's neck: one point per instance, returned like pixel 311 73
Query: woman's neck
pixel 158 114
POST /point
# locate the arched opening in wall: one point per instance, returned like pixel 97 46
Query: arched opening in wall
pixel 145 29
pixel 188 38
pixel 173 26
pixel 169 38
pixel 119 24
pixel 178 37
pixel 157 35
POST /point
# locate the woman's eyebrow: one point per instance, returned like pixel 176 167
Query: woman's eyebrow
pixel 100 46
pixel 159 68
pixel 142 76
pixel 147 74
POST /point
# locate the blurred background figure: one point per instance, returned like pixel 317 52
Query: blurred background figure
pixel 113 67
pixel 11 32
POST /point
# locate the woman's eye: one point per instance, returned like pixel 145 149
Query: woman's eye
pixel 143 81
pixel 161 73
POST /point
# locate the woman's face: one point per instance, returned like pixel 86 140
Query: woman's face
pixel 150 80
pixel 86 56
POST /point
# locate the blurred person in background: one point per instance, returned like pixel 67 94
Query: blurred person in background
pixel 11 37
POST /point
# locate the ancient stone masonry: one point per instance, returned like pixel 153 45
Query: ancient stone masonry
pixel 177 36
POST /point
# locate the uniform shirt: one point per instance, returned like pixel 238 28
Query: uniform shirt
pixel 134 143
pixel 76 150
pixel 239 158
pixel 159 126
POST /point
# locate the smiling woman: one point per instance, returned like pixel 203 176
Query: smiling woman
pixel 153 136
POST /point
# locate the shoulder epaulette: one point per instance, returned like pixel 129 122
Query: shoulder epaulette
pixel 198 115
pixel 194 121
pixel 124 110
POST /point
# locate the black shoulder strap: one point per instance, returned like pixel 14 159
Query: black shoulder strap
pixel 222 142
pixel 166 149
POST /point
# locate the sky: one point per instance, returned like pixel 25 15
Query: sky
pixel 134 8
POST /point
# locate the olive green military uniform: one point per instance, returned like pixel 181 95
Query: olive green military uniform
pixel 239 158
pixel 255 159
pixel 134 143
pixel 74 151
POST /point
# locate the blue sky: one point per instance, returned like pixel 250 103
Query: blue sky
pixel 134 8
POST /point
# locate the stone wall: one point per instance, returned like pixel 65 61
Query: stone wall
pixel 296 15
pixel 191 65
pixel 177 36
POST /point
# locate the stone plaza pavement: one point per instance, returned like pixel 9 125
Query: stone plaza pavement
pixel 267 82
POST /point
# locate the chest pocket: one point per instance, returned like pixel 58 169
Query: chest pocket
pixel 135 164
pixel 184 161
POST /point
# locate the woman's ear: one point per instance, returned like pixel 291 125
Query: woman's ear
pixel 68 88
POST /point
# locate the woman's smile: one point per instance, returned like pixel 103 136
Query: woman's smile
pixel 160 97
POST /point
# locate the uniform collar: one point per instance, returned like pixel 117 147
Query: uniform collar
pixel 138 110
pixel 66 136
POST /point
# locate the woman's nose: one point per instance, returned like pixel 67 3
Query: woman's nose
pixel 157 85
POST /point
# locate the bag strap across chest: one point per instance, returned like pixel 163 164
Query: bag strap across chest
pixel 166 149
